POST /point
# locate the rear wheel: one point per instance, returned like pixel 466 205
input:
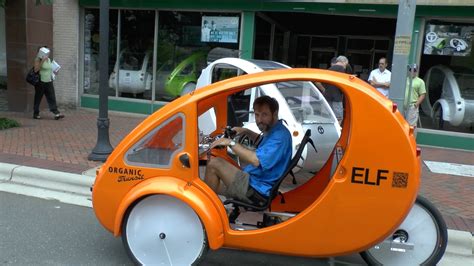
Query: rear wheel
pixel 163 230
pixel 420 240
pixel 438 121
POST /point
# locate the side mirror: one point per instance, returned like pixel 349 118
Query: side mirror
pixel 184 159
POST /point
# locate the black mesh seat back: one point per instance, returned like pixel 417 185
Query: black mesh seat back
pixel 293 163
pixel 276 186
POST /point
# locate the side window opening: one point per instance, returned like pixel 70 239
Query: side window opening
pixel 238 108
pixel 157 148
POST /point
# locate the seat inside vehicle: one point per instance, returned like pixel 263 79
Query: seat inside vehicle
pixel 261 203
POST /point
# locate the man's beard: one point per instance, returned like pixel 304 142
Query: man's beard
pixel 263 127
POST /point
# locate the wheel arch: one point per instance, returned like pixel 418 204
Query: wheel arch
pixel 181 190
pixel 446 110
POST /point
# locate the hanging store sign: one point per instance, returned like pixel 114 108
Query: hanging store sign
pixel 220 29
pixel 453 40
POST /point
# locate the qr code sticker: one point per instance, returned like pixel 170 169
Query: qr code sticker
pixel 400 180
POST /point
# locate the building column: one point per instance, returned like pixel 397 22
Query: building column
pixel 247 36
pixel 28 26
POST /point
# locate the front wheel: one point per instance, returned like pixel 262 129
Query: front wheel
pixel 420 240
pixel 163 230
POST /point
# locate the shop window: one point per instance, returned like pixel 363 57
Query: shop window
pixel 435 84
pixel 132 77
pixel 91 49
pixel 158 148
pixel 302 48
pixel 184 41
pixel 181 51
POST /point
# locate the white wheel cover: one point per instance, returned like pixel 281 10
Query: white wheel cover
pixel 422 232
pixel 184 241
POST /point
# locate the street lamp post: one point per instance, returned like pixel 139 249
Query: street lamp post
pixel 401 51
pixel 103 148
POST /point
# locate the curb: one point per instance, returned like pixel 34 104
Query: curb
pixel 459 250
pixel 44 178
pixel 48 184
pixel 6 171
pixel 66 182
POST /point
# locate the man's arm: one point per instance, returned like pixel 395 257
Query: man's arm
pixel 245 131
pixel 420 100
pixel 375 83
pixel 244 153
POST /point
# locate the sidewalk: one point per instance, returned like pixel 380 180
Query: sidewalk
pixel 64 145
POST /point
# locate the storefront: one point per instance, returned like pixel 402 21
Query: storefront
pixel 154 55
pixel 161 47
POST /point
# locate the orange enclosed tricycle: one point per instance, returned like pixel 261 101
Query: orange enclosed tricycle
pixel 364 199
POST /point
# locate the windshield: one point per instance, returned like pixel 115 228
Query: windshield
pixel 466 85
pixel 306 104
pixel 131 61
pixel 268 65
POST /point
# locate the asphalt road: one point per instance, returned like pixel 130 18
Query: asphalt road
pixel 47 232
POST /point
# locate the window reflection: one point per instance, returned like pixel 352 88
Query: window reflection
pixel 181 53
pixel 91 49
pixel 159 146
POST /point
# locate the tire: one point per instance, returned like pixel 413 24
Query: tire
pixel 438 121
pixel 163 230
pixel 424 227
pixel 189 87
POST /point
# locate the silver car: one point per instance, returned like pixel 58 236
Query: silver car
pixel 301 106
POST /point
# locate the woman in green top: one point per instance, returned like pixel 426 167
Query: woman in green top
pixel 45 86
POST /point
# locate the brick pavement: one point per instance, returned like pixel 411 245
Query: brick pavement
pixel 64 145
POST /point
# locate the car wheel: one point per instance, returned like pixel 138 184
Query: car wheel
pixel 438 121
pixel 163 230
pixel 189 87
pixel 420 240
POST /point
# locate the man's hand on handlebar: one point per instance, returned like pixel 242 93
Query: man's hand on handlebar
pixel 221 142
pixel 240 130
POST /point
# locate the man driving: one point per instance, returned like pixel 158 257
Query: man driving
pixel 266 164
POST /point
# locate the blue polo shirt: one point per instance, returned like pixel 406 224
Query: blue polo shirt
pixel 274 155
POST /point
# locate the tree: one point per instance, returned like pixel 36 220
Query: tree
pixel 38 2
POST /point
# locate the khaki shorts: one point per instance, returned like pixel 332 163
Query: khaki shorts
pixel 412 116
pixel 238 189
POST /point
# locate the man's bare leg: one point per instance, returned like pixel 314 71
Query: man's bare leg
pixel 218 170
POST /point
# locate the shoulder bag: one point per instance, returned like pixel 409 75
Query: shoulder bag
pixel 33 77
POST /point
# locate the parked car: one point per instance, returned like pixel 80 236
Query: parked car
pixel 174 81
pixel 302 106
pixel 450 96
pixel 132 72
pixel 135 74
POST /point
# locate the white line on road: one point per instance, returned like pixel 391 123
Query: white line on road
pixel 450 168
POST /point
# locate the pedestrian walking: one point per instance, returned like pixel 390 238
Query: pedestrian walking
pixel 47 69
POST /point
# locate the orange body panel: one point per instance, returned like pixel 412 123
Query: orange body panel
pixel 372 190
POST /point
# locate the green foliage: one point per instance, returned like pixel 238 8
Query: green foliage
pixel 6 123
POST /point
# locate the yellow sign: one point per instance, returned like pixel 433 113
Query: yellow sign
pixel 402 45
